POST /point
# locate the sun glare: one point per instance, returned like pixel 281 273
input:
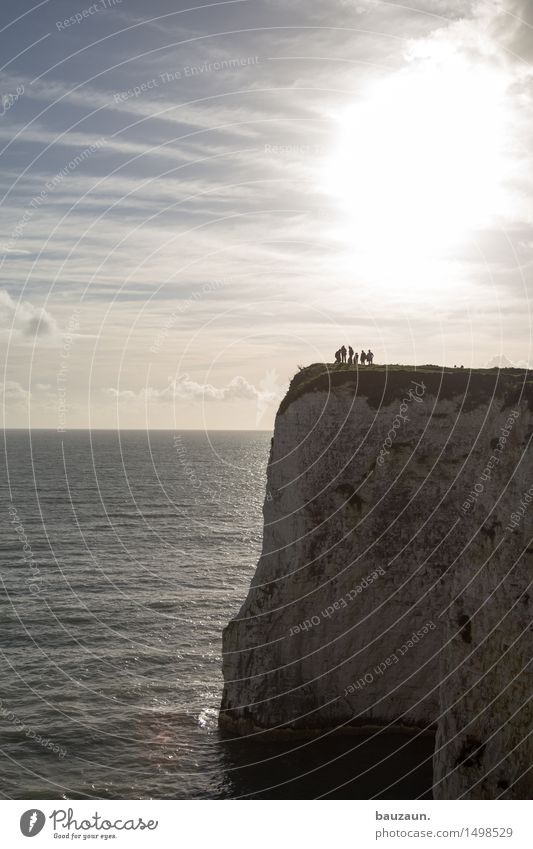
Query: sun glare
pixel 419 163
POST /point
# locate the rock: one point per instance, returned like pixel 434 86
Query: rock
pixel 392 589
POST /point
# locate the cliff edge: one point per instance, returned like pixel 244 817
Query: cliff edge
pixel 393 587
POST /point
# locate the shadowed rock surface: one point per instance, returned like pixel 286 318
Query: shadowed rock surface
pixel 393 586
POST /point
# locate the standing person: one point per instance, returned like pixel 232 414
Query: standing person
pixel 355 358
pixel 363 358
pixel 350 355
pixel 337 357
pixel 370 357
pixel 343 353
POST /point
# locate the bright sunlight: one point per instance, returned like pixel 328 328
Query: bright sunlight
pixel 420 161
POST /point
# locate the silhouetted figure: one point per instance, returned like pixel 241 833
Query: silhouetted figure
pixel 355 358
pixel 369 357
pixel 350 355
pixel 343 353
pixel 338 357
pixel 363 358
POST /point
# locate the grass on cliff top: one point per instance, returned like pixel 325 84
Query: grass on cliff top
pixel 381 384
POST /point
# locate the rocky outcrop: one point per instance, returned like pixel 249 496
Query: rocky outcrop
pixel 393 585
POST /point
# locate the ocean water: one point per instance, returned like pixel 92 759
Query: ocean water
pixel 122 557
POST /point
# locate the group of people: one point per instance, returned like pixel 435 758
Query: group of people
pixel 351 357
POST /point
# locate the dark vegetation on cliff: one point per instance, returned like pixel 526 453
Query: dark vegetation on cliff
pixel 383 383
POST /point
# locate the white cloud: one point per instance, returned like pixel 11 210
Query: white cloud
pixel 215 201
pixel 183 388
pixel 11 392
pixel 26 320
pixel 270 393
pixel 502 361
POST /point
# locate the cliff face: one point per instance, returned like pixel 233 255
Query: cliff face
pixel 392 589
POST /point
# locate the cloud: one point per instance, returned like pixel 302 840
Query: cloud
pixel 502 361
pixel 11 392
pixel 220 174
pixel 183 388
pixel 485 31
pixel 271 392
pixel 126 394
pixel 26 320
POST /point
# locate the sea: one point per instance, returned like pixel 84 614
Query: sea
pixel 123 554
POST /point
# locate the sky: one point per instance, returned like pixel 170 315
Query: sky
pixel 198 199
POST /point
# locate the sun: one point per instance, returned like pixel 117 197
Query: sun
pixel 419 163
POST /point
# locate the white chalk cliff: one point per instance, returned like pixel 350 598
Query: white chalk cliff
pixel 393 586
